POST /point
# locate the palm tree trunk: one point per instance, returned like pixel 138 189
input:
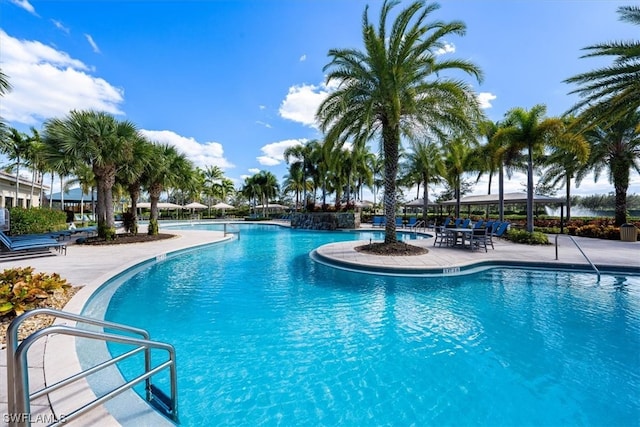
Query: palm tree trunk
pixel 568 179
pixel 17 180
pixel 391 142
pixel 501 193
pixel 530 190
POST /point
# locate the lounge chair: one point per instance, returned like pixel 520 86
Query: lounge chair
pixel 478 224
pixel 377 221
pixel 499 231
pixel 33 243
pixel 412 221
pixel 399 222
pixel 465 223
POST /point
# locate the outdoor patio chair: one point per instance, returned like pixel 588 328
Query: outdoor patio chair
pixel 478 224
pixel 478 239
pixel 465 223
pixel 34 243
pixel 500 230
pixel 399 222
pixel 442 236
pixel 412 221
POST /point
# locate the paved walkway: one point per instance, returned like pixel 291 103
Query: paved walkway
pixel 91 266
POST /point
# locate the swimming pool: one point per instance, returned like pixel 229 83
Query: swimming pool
pixel 264 335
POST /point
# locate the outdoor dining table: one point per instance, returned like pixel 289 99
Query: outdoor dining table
pixel 461 234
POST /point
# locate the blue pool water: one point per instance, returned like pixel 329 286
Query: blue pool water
pixel 266 336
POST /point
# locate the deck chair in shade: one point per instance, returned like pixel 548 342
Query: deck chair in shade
pixel 412 221
pixel 479 239
pixel 377 221
pixel 499 231
pixel 478 224
pixel 446 222
pixel 465 223
pixel 399 223
pixel 35 243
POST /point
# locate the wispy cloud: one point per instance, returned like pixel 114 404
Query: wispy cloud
pixel 262 107
pixel 59 25
pixel 485 99
pixel 303 58
pixel 267 125
pixel 24 4
pixel 273 154
pixel 49 83
pixel 202 154
pixel 447 48
pixel 93 44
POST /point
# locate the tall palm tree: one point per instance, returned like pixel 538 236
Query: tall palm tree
pixel 16 145
pixel 613 92
pixel 130 175
pixel 563 164
pixel 531 132
pixel 425 162
pixel 4 88
pixel 295 182
pixel 615 147
pixel 396 85
pixel 167 170
pixel 302 154
pixel 98 139
pixel 459 159
pixel 251 190
pixel 268 188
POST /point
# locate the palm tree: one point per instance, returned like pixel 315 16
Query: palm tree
pixel 530 131
pixel 610 93
pixel 459 159
pixel 98 139
pixel 131 173
pixel 295 181
pixel 425 163
pixel 395 86
pixel 251 190
pixel 268 187
pixel 563 164
pixel 616 148
pixel 16 145
pixel 302 154
pixel 4 88
pixel 168 169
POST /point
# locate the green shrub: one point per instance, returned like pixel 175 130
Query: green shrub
pixel 522 236
pixel 20 289
pixel 106 232
pixel 36 220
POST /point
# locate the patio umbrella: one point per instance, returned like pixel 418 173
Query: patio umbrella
pixel 195 205
pixel 222 206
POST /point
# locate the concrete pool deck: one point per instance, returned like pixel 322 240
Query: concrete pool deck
pixel 92 266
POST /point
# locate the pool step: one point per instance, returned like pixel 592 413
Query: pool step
pixel 161 402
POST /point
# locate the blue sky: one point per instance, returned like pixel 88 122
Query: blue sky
pixel 234 83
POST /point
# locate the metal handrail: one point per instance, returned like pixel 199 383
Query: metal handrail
pixel 233 230
pixel 581 251
pixel 17 371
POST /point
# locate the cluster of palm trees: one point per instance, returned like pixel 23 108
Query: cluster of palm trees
pixel 101 152
pixel 395 88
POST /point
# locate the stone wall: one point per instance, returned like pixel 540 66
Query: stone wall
pixel 325 220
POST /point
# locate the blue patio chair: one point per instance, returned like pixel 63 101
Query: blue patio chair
pixel 501 229
pixel 399 222
pixel 478 224
pixel 377 221
pixel 446 221
pixel 458 222
pixel 465 223
pixel 412 221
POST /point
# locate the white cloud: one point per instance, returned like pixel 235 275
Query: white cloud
pixel 262 107
pixel 485 99
pixel 25 5
pixel 49 83
pixel 267 125
pixel 302 102
pixel 93 44
pixel 59 25
pixel 274 152
pixel 303 58
pixel 201 154
pixel 447 48
pixel 253 171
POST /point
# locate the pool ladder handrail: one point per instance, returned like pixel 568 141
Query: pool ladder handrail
pixel 414 227
pixel 19 397
pixel 581 251
pixel 230 229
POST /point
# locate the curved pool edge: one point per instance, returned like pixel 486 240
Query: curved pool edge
pixel 61 358
pixel 441 262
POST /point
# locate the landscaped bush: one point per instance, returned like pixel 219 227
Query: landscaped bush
pixel 522 236
pixel 36 220
pixel 21 290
